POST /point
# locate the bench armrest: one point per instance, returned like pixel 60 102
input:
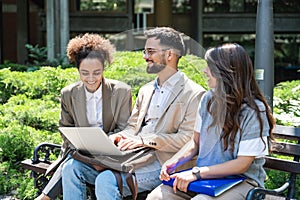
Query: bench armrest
pixel 47 149
pixel 259 193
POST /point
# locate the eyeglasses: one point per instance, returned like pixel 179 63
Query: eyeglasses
pixel 150 52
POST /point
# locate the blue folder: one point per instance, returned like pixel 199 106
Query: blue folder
pixel 211 187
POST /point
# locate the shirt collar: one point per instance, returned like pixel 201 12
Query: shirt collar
pixel 170 83
pixel 97 94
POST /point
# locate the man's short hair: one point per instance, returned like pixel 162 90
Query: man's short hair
pixel 168 37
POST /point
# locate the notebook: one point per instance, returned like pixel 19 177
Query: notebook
pixel 91 140
pixel 211 187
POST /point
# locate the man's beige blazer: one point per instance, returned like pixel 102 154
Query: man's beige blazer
pixel 176 125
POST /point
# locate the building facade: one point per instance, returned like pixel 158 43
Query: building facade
pixel 208 22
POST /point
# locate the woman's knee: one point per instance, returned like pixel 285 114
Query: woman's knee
pixel 71 166
pixel 157 193
pixel 166 192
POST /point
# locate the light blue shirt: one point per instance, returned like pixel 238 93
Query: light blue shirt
pixel 158 101
pixel 211 147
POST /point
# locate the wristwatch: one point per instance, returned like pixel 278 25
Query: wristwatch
pixel 196 172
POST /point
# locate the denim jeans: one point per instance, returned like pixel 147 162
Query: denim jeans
pixel 76 174
pixel 54 187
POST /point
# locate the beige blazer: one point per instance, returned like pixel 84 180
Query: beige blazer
pixel 116 100
pixel 176 125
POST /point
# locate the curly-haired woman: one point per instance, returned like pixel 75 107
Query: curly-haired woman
pixel 93 101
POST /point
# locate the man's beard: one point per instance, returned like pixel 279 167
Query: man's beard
pixel 155 68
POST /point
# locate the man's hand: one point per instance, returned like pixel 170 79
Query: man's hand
pixel 115 138
pixel 129 143
pixel 182 180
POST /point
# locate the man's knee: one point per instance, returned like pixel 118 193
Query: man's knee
pixel 106 186
pixel 104 178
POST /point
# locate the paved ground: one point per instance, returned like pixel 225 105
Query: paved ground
pixel 7 197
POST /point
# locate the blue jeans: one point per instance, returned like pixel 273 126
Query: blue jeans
pixel 76 174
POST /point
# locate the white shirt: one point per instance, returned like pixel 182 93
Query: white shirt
pixel 94 107
pixel 159 100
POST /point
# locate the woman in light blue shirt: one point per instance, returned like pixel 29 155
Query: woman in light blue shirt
pixel 233 125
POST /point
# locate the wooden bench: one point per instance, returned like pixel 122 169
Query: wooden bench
pixel 39 164
pixel 41 161
pixel 288 145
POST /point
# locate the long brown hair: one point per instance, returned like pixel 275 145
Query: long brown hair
pixel 232 67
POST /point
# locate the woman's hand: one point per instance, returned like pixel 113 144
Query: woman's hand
pixel 182 180
pixel 167 169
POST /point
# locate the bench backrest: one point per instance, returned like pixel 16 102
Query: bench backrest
pixel 288 144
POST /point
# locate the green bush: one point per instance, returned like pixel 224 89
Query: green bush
pixel 286 103
pixel 41 114
pixel 8 172
pixel 26 184
pixel 36 84
pixel 14 178
pixel 15 143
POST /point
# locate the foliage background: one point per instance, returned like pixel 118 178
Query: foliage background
pixel 30 108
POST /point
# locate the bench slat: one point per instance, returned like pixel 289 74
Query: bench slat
pixel 40 167
pixel 284 148
pixel 287 131
pixel 282 165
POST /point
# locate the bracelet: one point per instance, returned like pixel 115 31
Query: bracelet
pixel 142 140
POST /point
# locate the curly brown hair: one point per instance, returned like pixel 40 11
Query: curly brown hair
pixel 90 46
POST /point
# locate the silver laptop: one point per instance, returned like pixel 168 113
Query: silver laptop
pixel 92 140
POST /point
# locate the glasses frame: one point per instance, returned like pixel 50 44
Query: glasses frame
pixel 150 52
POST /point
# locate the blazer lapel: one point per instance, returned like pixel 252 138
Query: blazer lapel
pixel 146 101
pixel 177 89
pixel 78 98
pixel 174 94
pixel 107 109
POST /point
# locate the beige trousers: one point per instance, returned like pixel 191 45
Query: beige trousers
pixel 238 192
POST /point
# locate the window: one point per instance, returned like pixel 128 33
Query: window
pixel 249 6
pixel 102 5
